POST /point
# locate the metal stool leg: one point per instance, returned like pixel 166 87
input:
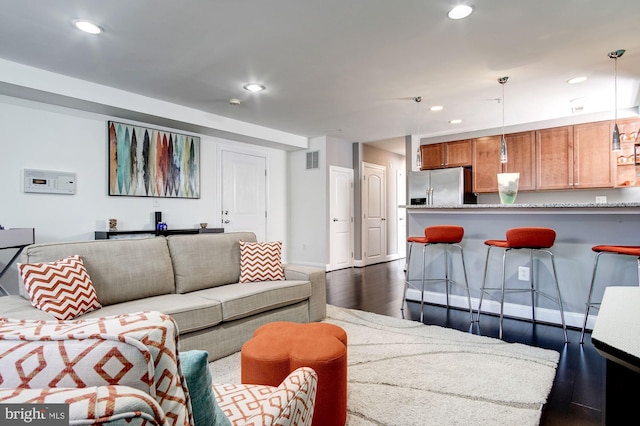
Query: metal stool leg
pixel 555 277
pixel 531 285
pixel 586 312
pixel 446 272
pixel 406 278
pixel 484 281
pixel 424 264
pixel 466 281
pixel 504 274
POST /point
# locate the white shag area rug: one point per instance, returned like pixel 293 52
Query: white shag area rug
pixel 402 372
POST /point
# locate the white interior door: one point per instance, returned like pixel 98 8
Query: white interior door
pixel 401 200
pixel 244 204
pixel 374 214
pixel 341 218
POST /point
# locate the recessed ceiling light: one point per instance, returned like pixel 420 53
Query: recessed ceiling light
pixel 254 87
pixel 460 11
pixel 436 108
pixel 456 121
pixel 576 80
pixel 87 27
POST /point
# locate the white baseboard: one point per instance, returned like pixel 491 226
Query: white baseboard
pixel 551 316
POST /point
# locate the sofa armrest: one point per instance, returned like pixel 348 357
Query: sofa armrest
pixel 317 278
pixel 291 403
pixel 94 404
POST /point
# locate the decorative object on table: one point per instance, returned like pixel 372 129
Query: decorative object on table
pixel 400 372
pixel 503 142
pixel 204 225
pixel 145 162
pixel 615 142
pixel 113 224
pixel 508 187
pixel 161 226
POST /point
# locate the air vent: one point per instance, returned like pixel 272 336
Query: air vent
pixel 312 160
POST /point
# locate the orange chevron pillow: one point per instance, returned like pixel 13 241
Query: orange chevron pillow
pixel 261 261
pixel 62 289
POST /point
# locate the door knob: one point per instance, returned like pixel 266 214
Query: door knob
pixel 226 221
pixel 335 219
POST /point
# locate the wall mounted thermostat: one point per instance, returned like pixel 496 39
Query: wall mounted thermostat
pixel 49 182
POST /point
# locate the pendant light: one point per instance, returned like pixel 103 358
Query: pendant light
pixel 503 143
pixel 615 143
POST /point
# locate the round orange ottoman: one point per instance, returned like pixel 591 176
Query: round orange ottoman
pixel 278 348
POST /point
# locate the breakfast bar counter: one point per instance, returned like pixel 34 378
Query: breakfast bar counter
pixel 579 227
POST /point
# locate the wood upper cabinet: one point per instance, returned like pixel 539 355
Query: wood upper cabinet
pixel 520 156
pixel 486 163
pixel 432 156
pixel 592 155
pixel 574 157
pixel 446 154
pixel 458 154
pixel 554 158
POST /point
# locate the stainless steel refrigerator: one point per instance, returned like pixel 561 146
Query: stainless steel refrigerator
pixel 441 187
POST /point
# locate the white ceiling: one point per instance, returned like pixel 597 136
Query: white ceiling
pixel 349 69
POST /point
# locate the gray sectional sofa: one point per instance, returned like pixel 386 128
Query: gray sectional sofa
pixel 193 278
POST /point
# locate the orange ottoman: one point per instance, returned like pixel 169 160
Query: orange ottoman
pixel 278 348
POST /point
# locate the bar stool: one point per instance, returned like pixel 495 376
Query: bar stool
pixel 604 249
pixel 534 239
pixel 446 236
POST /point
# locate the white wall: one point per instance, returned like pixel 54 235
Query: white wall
pixel 42 136
pixel 308 206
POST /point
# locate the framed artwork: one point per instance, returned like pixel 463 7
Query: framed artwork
pixel 146 162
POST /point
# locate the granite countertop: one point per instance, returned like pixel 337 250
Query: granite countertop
pixel 527 206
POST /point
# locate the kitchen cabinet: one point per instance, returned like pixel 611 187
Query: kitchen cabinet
pixel 626 169
pixel 520 156
pixel 446 154
pixel 592 155
pixel 486 164
pixel 554 158
pixel 574 157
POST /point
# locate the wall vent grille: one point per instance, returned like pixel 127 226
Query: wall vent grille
pixel 312 160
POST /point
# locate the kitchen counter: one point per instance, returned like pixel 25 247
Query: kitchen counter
pixel 579 227
pixel 540 206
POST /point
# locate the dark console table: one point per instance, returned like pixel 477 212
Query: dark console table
pixel 17 238
pixel 105 235
pixel 616 336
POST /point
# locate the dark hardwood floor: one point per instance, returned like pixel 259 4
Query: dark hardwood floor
pixel 577 394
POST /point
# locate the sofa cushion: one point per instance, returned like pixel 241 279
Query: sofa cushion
pixel 189 311
pixel 247 299
pixel 63 288
pixel 121 270
pixel 261 261
pixel 206 260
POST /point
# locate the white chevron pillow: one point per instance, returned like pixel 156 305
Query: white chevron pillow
pixel 62 288
pixel 261 261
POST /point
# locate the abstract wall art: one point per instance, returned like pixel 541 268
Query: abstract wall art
pixel 146 162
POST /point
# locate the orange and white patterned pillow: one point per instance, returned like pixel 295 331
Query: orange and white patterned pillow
pixel 261 261
pixel 63 288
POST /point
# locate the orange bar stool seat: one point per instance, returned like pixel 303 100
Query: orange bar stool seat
pixel 536 240
pixel 441 236
pixel 606 249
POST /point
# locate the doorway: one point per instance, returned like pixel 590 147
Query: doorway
pixel 374 207
pixel 340 218
pixel 243 193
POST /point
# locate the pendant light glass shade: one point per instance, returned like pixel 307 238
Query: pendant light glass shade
pixel 503 142
pixel 615 139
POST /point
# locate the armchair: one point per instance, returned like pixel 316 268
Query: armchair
pixel 127 368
